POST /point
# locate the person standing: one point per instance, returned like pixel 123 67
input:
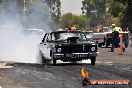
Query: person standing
pixel 131 40
pixel 126 38
pixel 115 37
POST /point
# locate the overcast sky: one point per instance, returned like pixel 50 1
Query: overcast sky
pixel 73 6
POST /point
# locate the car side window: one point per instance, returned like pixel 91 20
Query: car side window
pixel 48 39
pixel 45 37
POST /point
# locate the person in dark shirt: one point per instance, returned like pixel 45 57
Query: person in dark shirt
pixel 131 40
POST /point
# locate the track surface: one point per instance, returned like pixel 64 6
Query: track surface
pixel 110 65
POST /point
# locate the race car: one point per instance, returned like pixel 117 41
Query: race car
pixel 104 38
pixel 108 38
pixel 89 35
pixel 67 46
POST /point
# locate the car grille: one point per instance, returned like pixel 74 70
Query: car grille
pixel 76 49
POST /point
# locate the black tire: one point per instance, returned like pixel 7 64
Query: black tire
pixel 43 60
pixel 40 58
pixel 93 60
pixel 54 60
pixel 100 44
pixel 46 61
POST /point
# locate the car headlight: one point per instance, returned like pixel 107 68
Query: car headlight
pixel 93 48
pixel 58 49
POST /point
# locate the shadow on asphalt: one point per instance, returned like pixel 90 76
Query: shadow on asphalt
pixel 41 65
pixel 67 64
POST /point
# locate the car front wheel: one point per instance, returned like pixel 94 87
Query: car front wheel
pixel 54 60
pixel 93 60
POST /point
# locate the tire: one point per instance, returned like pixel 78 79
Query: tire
pixel 46 61
pixel 39 57
pixel 42 59
pixel 93 60
pixel 100 44
pixel 54 60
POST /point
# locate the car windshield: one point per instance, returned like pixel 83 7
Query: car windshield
pixel 88 34
pixel 58 36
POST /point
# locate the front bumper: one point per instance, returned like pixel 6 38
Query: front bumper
pixel 76 55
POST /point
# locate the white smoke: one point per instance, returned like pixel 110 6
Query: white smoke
pixel 15 44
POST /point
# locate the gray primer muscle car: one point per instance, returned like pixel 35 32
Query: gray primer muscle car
pixel 67 45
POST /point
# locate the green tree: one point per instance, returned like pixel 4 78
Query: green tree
pixel 98 12
pixel 127 16
pixel 69 19
pixel 118 10
pixel 55 9
pixel 94 10
pixel 121 10
pixel 106 12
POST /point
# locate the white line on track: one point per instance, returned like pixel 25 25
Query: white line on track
pixel 4 65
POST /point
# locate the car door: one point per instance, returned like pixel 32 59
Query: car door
pixel 46 46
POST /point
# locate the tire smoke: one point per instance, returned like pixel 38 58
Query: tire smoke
pixel 16 44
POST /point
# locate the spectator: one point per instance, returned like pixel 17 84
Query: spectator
pixel 126 37
pixel 101 30
pixel 131 40
pixel 115 37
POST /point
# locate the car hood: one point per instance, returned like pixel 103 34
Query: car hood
pixel 79 42
pixel 74 41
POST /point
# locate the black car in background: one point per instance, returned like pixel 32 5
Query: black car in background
pixel 67 46
pixel 89 35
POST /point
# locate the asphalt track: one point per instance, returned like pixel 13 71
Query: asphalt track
pixel 110 65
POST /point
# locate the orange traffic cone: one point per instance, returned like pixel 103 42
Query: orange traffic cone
pixel 121 44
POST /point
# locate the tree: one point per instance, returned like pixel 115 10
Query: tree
pixel 97 11
pixel 106 12
pixel 118 10
pixel 69 19
pixel 47 9
pixel 55 9
pixel 122 12
pixel 126 21
pixel 53 5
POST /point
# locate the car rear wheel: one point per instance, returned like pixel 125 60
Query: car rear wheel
pixel 46 61
pixel 93 60
pixel 40 57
